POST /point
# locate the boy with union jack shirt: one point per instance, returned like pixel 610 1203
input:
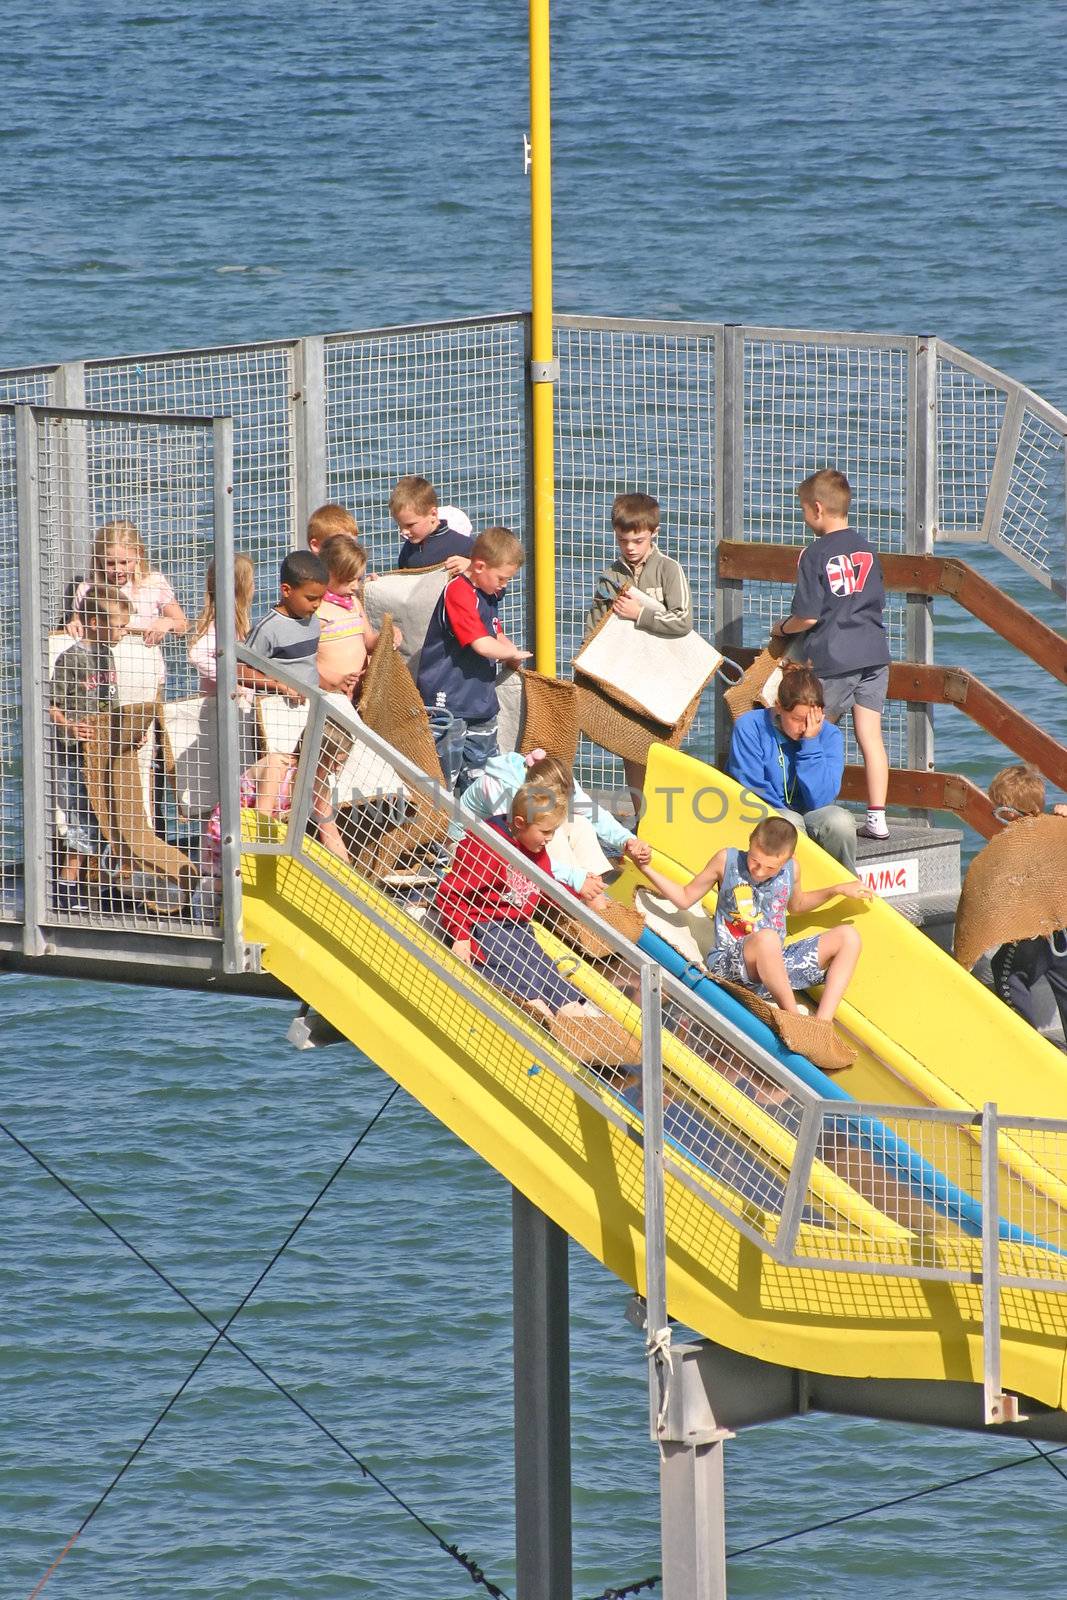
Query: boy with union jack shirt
pixel 838 607
pixel 463 647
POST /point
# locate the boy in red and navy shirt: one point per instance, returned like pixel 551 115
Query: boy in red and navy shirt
pixel 458 664
pixel 838 608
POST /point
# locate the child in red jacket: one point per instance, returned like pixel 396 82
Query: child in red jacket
pixel 484 905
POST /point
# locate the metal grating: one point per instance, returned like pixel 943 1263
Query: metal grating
pixel 127 505
pixel 807 405
pixel 254 385
pixel 970 411
pixel 447 403
pixel 1033 504
pixel 636 410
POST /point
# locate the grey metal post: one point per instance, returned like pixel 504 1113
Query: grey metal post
pixel 36 840
pixel 998 1406
pixel 655 1207
pixel 309 360
pixel 541 1313
pixel 233 946
pixel 919 528
pixel 72 552
pixel 692 1485
pixel 730 506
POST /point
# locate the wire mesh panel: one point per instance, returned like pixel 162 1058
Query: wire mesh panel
pixel 1032 1183
pixel 970 411
pixel 813 402
pixel 28 386
pixel 1001 467
pixel 446 403
pixel 636 411
pixel 253 384
pixel 10 693
pixel 125 512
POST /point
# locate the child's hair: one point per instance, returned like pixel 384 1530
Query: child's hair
pixel 830 487
pixel 630 513
pixel 244 583
pixel 303 566
pixel 343 557
pixel 102 600
pixel 1020 788
pixel 413 494
pixel 776 835
pixel 800 686
pixel 498 547
pixel 551 770
pixel 538 803
pixel 330 519
pixel 112 536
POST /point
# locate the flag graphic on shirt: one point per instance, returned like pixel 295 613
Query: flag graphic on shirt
pixel 848 574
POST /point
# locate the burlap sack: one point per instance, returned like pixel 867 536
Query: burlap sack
pixel 389 704
pixel 409 597
pixel 571 931
pixel 1015 888
pixel 622 731
pixel 113 770
pixel 597 1041
pixel 655 677
pixel 808 1036
pixel 549 716
pixel 744 695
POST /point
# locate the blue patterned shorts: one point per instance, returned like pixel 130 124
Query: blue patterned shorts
pixel 801 964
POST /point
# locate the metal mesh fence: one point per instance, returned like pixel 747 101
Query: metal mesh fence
pixel 812 403
pixel 253 384
pixel 636 411
pixel 125 516
pixel 1001 467
pixel 970 411
pixel 445 403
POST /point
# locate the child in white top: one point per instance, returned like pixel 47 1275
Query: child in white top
pixel 202 644
pixel 120 560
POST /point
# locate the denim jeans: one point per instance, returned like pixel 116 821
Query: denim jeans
pixel 463 748
pixel 833 828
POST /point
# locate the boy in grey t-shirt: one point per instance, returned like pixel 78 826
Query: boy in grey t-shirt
pixel 290 633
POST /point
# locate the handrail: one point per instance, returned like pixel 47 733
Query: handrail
pixel 923 575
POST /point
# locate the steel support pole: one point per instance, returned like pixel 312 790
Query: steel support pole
pixel 730 503
pixel 541 1314
pixel 693 1520
pixel 919 528
pixel 229 774
pixel 542 371
pixel 36 835
pixel 309 401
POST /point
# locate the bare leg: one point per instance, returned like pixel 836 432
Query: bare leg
pixel 868 726
pixel 70 871
pixel 839 950
pixel 763 960
pixel 635 782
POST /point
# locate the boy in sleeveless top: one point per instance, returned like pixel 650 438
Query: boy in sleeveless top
pixel 757 888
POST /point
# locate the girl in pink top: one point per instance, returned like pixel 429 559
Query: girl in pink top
pixel 120 559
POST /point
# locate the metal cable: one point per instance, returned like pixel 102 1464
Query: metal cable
pixel 470 1566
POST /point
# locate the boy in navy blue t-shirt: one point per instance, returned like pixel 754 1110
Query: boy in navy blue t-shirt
pixel 427 538
pixel 838 607
pixel 464 645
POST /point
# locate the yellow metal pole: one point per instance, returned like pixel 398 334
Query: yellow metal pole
pixel 542 356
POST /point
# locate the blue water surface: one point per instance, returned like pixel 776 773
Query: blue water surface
pixel 183 175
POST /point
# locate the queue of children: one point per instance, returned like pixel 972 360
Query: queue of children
pixel 318 632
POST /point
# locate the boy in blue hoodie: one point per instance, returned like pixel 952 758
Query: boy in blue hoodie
pixel 793 758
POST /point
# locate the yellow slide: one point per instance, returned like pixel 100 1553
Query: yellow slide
pixel 485 1070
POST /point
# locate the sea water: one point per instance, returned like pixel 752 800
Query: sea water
pixel 182 175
